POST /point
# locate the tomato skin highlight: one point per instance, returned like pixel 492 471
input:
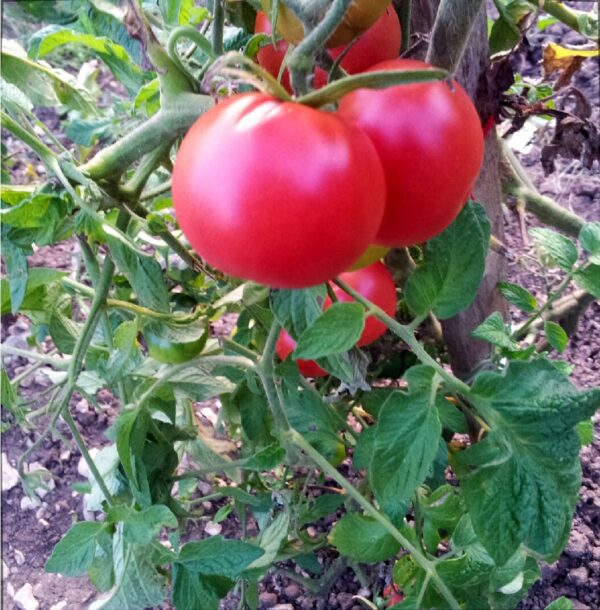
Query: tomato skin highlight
pixel 286 345
pixel 379 43
pixel 376 284
pixel 259 202
pixel 429 140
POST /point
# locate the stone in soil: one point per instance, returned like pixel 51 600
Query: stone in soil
pixel 24 598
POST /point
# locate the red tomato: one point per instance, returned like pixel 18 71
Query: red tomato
pixel 277 193
pixel 376 284
pixel 393 595
pixel 286 345
pixel 430 143
pixel 378 43
pixel 359 17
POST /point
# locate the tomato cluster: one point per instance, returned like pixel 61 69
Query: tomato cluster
pixel 290 196
pixel 376 284
pixel 379 43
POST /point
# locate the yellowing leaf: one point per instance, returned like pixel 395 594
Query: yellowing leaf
pixel 564 60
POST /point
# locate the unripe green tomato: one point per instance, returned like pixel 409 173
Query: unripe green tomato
pixel 372 254
pixel 173 343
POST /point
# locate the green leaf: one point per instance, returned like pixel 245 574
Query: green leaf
pixel 43 85
pixel 518 296
pixel 14 100
pixel 130 438
pixel 335 331
pixel 556 336
pixel 267 458
pixel 88 132
pixel 560 249
pixel 141 527
pixel 148 98
pixel 197 383
pixel 296 310
pixel 125 356
pixel 588 278
pixel 505 32
pixel 270 540
pixel 29 213
pixel 114 55
pixel 17 270
pixel 520 483
pixel 562 603
pixel 38 284
pixel 309 415
pixel 193 590
pixel 589 237
pixel 363 539
pixel 405 441
pixel 74 553
pixel 454 264
pixel 138 584
pixel 218 556
pixel 585 432
pixel 101 573
pixel 320 507
pixel 64 332
pixel 494 331
pixel 142 272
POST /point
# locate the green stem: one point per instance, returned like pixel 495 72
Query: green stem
pixel 372 80
pixel 158 190
pixel 559 11
pixel 406 334
pixel 186 31
pixel 522 330
pixel 86 455
pixel 42 358
pixel 217 27
pixel 240 349
pixel 428 566
pixel 451 30
pixel 302 58
pixel 160 130
pixel 134 186
pixel 405 15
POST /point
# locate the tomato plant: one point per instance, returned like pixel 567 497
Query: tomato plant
pixel 379 43
pixel 374 283
pixel 260 203
pixel 290 196
pixel 431 151
pixel 359 17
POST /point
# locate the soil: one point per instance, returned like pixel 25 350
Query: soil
pixel 31 530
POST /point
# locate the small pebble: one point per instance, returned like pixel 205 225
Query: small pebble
pixel 28 504
pixel 19 557
pixel 59 605
pixel 267 599
pixel 65 455
pixel 43 522
pixel 212 529
pixel 10 476
pixel 24 598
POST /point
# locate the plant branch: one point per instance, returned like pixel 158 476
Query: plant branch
pixel 451 30
pixel 327 469
pixel 217 27
pixel 559 11
pixel 406 334
pixel 405 15
pixel 160 130
pixel 302 57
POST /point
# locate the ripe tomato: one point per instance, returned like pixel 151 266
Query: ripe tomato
pixel 278 193
pixel 393 595
pixel 286 345
pixel 359 17
pixel 375 283
pixel 429 139
pixel 380 42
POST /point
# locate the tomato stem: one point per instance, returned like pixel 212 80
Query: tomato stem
pixel 407 335
pixel 371 80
